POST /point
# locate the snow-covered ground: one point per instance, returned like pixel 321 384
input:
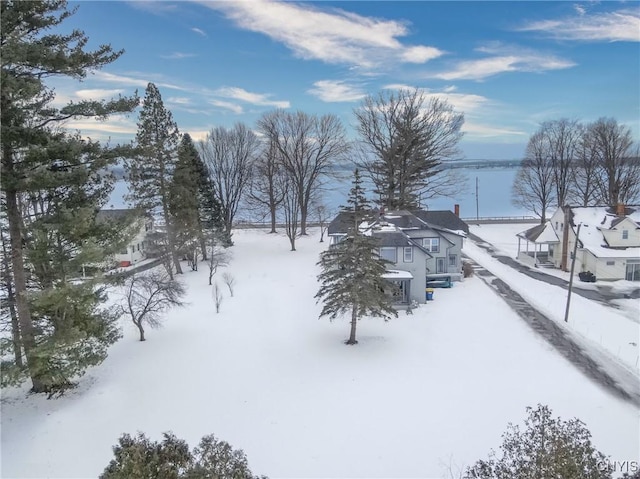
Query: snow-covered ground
pixel 419 393
pixel 616 331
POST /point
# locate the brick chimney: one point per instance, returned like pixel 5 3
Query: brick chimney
pixel 620 209
pixel 456 210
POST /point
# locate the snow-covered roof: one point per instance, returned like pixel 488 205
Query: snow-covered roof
pixel 594 219
pixel 397 274
pixel 541 234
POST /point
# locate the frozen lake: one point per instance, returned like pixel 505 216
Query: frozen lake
pixel 494 194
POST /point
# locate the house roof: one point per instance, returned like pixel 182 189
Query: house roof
pixel 397 274
pixel 443 218
pixel 540 234
pixel 445 221
pixel 396 238
pixel 594 219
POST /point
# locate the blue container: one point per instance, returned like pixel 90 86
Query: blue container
pixel 429 294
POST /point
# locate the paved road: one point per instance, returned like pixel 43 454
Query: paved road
pixel 603 294
pixel 614 377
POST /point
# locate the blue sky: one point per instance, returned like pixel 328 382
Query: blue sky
pixel 507 65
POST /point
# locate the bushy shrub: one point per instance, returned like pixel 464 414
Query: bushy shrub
pixel 547 448
pixel 140 458
pixel 467 269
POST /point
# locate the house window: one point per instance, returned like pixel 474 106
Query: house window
pixel 133 249
pixel 611 263
pixel 431 244
pixel 625 234
pixel 453 260
pixel 124 251
pixel 561 226
pixel 556 225
pixel 138 245
pixel 388 253
pixel 408 254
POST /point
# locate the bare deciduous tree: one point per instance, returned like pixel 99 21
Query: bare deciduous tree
pixel 562 138
pixel 230 281
pixel 217 296
pixel 148 295
pixel 265 190
pixel 307 146
pixel 618 171
pixel 584 170
pixel 404 138
pixel 322 214
pixel 229 155
pixel 218 257
pixel 533 187
pixel 291 210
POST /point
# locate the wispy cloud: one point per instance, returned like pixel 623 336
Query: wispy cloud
pixel 503 59
pixel 619 26
pixel 261 99
pixel 227 105
pixel 98 93
pixel 178 56
pixel 115 124
pixel 335 91
pixel 463 102
pixel 179 100
pixel 329 35
pixel 153 6
pixel 199 31
pixel 134 80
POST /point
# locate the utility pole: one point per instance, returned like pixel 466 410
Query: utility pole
pixel 477 207
pixel 573 266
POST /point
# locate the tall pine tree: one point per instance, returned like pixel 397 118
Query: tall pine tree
pixel 152 168
pixel 50 181
pixel 352 272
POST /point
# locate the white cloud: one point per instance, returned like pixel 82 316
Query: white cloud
pixel 199 31
pixel 398 86
pixel 580 10
pixel 178 56
pixel 619 26
pixel 154 6
pixel 97 93
pixel 115 124
pixel 330 35
pixel 261 99
pixel 179 100
pixel 503 59
pixel 133 81
pixel 227 105
pixel 334 91
pixel 488 131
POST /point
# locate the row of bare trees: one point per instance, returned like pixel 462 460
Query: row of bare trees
pixel 567 162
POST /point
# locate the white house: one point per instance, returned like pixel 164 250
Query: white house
pixel 419 249
pixel 136 249
pixel 608 243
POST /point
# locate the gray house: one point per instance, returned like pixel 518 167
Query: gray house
pixel 420 249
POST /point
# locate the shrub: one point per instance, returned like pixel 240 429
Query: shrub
pixel 467 269
pixel 140 458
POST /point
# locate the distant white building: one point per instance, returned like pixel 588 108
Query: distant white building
pixel 608 245
pixel 136 249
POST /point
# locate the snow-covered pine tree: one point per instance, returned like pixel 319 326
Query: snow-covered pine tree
pixel 351 278
pixel 52 186
pixel 152 167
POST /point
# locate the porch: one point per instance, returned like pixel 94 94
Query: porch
pixel 538 245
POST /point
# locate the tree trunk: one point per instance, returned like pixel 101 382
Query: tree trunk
pixel 203 247
pixel 303 219
pixel 140 329
pixel 19 277
pixel 11 298
pixel 272 213
pixel 354 322
pixel 292 240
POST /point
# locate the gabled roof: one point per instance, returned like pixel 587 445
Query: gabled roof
pixel 443 218
pixel 342 222
pixel 540 234
pixel 397 238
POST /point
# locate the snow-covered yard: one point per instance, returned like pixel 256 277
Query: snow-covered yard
pixel 418 394
pixel 615 331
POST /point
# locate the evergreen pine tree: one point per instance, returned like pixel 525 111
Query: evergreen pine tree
pixel 152 167
pixel 52 186
pixel 351 274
